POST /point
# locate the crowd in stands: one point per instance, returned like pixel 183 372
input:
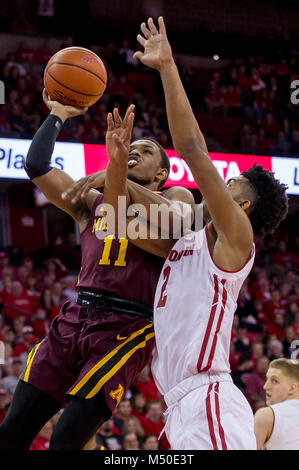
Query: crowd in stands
pixel 265 325
pixel 243 107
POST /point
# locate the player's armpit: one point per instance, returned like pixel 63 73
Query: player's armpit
pixel 263 426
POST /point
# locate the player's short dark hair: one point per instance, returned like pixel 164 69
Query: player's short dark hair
pixel 270 206
pixel 165 163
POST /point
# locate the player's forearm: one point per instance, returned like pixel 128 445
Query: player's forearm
pixel 115 187
pixel 42 146
pixel 184 128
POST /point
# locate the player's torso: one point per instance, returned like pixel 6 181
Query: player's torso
pixel 114 265
pixel 285 434
pixel 193 312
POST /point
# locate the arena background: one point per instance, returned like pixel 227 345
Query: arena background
pixel 237 62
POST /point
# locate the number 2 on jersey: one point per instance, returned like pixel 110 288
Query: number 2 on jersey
pixel 163 296
pixel 120 261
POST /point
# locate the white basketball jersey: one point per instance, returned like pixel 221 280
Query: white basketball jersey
pixel 194 307
pixel 285 434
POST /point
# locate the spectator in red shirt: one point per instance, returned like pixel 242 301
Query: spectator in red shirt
pixel 55 268
pixel 153 423
pixel 145 384
pixel 139 407
pixel 42 440
pixel 274 306
pixel 40 324
pixel 22 275
pixel 285 258
pixel 295 324
pixel 276 327
pixel 255 381
pixel 17 304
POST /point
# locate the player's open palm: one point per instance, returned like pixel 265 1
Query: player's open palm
pixel 157 51
pixel 119 134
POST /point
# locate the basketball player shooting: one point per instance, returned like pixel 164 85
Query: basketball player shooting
pixel 96 346
pixel 197 292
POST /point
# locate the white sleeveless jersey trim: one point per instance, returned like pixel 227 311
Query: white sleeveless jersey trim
pixel 285 433
pixel 193 312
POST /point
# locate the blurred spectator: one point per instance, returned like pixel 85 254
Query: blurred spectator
pixel 109 436
pixel 150 442
pixel 153 423
pixel 242 342
pixel 122 412
pixel 130 441
pixel 9 382
pixel 275 349
pixel 145 384
pixel 17 304
pixel 254 382
pixel 42 440
pixel 55 269
pixel 289 337
pixel 139 407
pixel 70 285
pixel 131 424
pixel 4 403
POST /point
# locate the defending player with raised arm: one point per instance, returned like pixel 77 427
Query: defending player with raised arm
pixel 198 289
pixel 239 209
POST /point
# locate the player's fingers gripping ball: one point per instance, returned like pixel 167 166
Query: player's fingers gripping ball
pixel 75 76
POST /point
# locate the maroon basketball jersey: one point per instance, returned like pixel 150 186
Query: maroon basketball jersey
pixel 114 265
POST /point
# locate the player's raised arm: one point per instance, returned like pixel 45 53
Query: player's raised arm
pixel 53 181
pixel 230 221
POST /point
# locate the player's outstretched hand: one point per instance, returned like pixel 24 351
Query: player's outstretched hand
pixel 157 51
pixel 119 134
pixel 81 188
pixel 62 111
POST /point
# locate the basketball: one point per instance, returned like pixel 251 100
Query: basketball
pixel 75 76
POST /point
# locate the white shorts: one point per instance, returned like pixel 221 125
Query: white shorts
pixel 214 415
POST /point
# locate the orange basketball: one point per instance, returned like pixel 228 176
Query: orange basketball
pixel 75 76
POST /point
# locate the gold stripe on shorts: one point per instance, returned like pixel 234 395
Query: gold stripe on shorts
pixel 91 383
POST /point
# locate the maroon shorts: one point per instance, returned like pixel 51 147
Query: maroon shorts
pixel 111 350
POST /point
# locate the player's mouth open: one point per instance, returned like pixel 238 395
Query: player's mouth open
pixel 133 160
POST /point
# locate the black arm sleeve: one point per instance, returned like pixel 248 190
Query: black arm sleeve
pixel 40 151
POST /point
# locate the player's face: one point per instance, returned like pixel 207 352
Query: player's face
pixel 277 386
pixel 144 162
pixel 235 186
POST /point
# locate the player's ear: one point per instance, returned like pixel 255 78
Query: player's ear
pixel 161 174
pixel 246 205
